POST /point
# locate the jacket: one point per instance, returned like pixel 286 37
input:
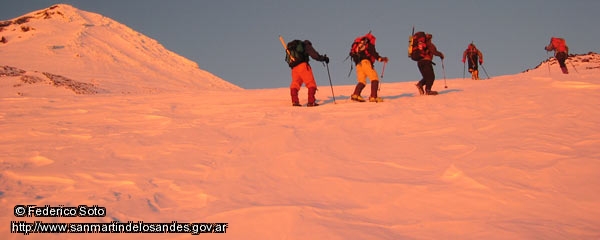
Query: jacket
pixel 308 51
pixel 369 53
pixel 558 45
pixel 472 51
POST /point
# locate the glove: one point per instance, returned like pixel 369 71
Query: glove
pixel 326 59
pixel 442 56
pixel 480 62
pixel 384 59
pixel 463 60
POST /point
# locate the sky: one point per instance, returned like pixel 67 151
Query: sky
pixel 238 40
pixel 123 124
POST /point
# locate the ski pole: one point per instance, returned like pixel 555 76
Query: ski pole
pixel 464 67
pixel 574 67
pixel 571 63
pixel 330 83
pixel 548 60
pixel 350 72
pixel 488 76
pixel 444 71
pixel 380 80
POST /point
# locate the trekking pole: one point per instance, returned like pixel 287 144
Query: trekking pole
pixel 548 60
pixel 444 71
pixel 464 67
pixel 330 83
pixel 382 71
pixel 488 76
pixel 572 63
pixel 574 67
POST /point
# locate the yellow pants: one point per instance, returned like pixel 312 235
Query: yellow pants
pixel 365 69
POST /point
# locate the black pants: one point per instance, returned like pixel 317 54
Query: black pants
pixel 473 62
pixel 426 69
pixel 561 57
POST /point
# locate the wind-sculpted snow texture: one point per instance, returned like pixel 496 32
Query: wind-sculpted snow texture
pixel 512 157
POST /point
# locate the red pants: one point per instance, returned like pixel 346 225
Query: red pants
pixel 302 74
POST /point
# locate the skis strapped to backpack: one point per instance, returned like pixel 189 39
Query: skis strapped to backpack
pixel 411 42
pixel 414 40
pixel 284 46
pixel 294 52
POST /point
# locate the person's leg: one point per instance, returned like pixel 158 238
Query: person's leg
pixel 421 82
pixel 361 78
pixel 309 80
pixel 428 76
pixel 562 58
pixel 295 86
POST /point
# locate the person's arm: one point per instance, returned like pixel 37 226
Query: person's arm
pixel 313 53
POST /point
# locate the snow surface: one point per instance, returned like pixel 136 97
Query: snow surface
pixel 91 48
pixel 512 157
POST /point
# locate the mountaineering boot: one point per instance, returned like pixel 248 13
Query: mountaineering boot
pixel 357 98
pixel 472 73
pixel 564 70
pixel 357 90
pixel 431 92
pixel 374 89
pixel 295 100
pixel 375 99
pixel 311 97
pixel 420 88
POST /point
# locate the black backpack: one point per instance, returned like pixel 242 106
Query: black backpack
pixel 295 53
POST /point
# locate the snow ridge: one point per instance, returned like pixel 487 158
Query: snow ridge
pixel 591 60
pixel 97 50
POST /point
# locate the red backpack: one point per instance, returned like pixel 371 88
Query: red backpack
pixel 360 44
pixel 559 44
pixel 413 42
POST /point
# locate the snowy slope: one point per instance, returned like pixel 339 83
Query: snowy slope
pixel 90 48
pixel 512 157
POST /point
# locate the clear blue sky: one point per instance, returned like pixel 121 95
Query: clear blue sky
pixel 238 40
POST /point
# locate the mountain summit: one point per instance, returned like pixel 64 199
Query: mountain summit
pixel 65 43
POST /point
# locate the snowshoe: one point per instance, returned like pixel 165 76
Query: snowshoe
pixel 432 93
pixel 375 99
pixel 357 98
